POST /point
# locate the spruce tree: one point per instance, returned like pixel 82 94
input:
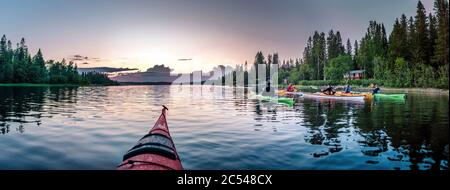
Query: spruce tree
pixel 331 45
pixel 421 39
pixel 340 50
pixel 412 45
pixel 432 36
pixel 3 60
pixel 38 67
pixel 349 47
pixel 441 53
pixel 355 62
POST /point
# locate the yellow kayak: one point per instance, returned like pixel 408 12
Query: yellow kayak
pixel 284 93
pixel 366 95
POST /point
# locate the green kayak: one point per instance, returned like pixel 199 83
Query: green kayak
pixel 390 96
pixel 289 101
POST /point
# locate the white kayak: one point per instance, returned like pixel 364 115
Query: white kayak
pixel 295 93
pixel 334 97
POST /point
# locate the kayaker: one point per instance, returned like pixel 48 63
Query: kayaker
pixel 268 91
pixel 348 89
pixel 376 89
pixel 291 88
pixel 329 90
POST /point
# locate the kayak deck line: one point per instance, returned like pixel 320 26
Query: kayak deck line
pixel 131 162
pixel 154 151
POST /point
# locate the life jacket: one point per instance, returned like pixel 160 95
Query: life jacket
pixel 290 89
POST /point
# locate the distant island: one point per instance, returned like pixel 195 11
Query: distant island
pixel 104 70
pixel 160 74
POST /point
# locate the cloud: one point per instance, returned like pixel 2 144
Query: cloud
pixel 85 60
pixel 105 69
pixel 78 58
pixel 95 59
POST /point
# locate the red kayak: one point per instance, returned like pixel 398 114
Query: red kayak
pixel 155 151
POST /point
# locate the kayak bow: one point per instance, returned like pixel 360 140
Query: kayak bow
pixel 283 100
pixel 154 151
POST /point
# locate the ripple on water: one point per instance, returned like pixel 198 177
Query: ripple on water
pixel 217 128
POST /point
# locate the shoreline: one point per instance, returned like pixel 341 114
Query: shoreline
pixel 435 91
pixel 47 85
pixel 411 90
pixel 35 85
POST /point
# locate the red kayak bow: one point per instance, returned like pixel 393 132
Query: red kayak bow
pixel 154 151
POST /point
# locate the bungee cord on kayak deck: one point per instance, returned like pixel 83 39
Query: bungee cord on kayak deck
pixel 155 151
pixel 131 162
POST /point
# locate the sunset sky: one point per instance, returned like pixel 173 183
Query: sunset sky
pixel 139 34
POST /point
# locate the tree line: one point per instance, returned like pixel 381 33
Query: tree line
pixel 18 66
pixel 414 54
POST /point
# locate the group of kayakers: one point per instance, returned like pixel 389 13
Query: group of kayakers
pixel 330 90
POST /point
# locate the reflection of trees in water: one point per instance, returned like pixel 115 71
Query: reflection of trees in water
pixel 267 112
pixel 417 132
pixel 62 94
pixel 326 120
pixel 26 104
pixel 16 103
pixel 240 98
pixel 4 127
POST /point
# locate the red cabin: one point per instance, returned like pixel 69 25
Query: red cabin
pixel 354 75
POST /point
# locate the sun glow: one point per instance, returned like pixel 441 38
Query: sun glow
pixel 155 56
pixel 147 59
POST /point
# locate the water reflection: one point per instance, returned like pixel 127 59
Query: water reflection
pixel 223 128
pixel 327 122
pixel 383 126
pixel 29 104
pixel 18 103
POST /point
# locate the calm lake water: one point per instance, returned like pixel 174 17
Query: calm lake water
pixel 219 128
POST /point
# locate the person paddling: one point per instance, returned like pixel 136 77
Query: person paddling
pixel 376 89
pixel 268 90
pixel 291 88
pixel 329 90
pixel 348 89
